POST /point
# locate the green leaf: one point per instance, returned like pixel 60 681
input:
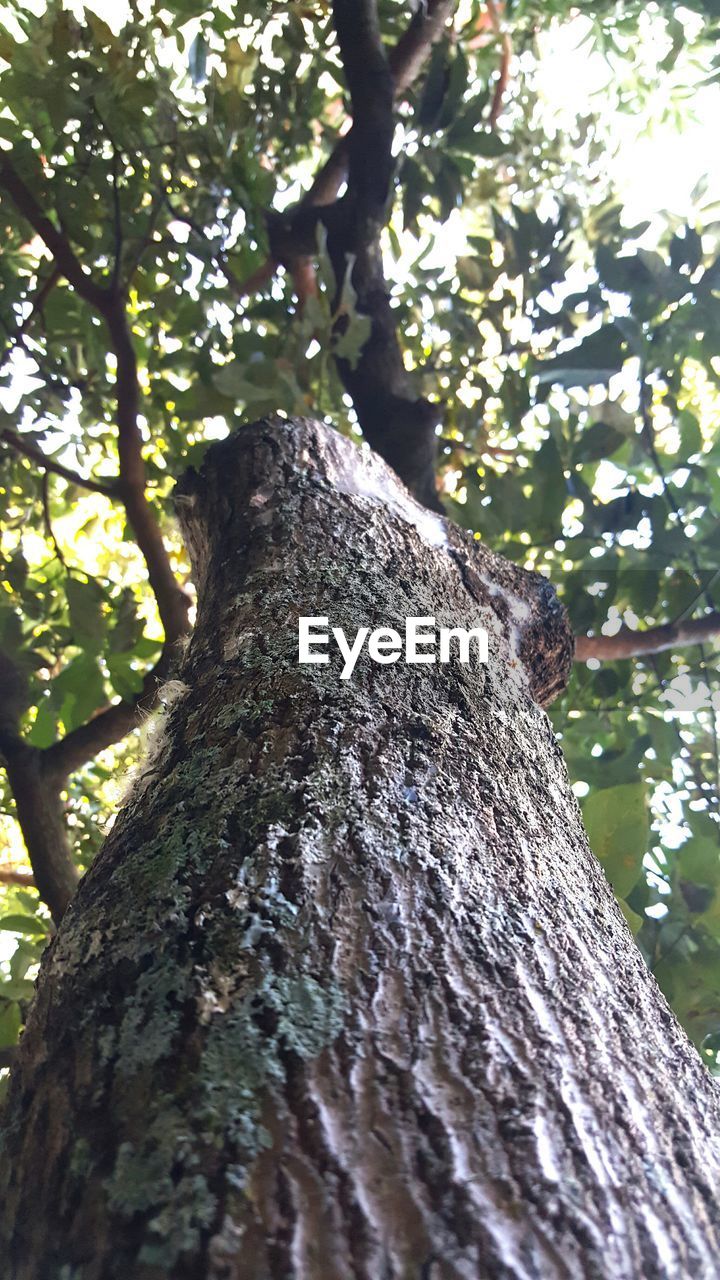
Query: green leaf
pixel 85 598
pixel 127 627
pixel 25 924
pixel 692 984
pixel 434 88
pixel 466 126
pixel 490 145
pixel 699 860
pixel 616 821
pixel 44 730
pixel 197 59
pixel 80 690
pixel 690 434
pixel 10 1024
pixel 16 570
pixel 635 921
pixel 20 989
pixel 594 360
pixel 599 441
pixel 686 250
pixel 472 273
pixel 11 635
pixel 125 680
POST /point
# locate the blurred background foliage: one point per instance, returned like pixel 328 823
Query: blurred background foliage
pixel 574 346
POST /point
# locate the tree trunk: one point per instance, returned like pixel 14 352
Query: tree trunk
pixel 345 993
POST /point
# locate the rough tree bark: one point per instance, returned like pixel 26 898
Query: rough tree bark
pixel 345 993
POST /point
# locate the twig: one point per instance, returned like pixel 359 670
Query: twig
pixel 627 643
pixel 705 587
pixel 44 488
pixel 502 81
pixel 109 488
pixel 17 336
pixel 12 875
pixel 710 673
pixel 117 219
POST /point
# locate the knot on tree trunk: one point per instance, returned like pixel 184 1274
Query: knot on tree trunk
pixel 253 485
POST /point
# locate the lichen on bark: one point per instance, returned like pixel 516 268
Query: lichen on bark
pixel 345 993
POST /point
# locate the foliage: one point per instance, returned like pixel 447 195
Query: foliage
pixel 575 357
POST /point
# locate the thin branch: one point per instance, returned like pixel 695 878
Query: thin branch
pixel 147 239
pixel 17 336
pixel 38 804
pixel 710 673
pixel 240 288
pixel 173 604
pixel 252 283
pixel 627 643
pixel 109 488
pixel 689 608
pixel 44 487
pixel 506 52
pixel 117 218
pixel 13 875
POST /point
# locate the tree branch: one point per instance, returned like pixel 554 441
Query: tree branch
pixel 109 488
pixel 117 218
pixel 406 61
pixel 110 725
pixel 369 80
pixel 37 797
pixel 173 604
pixel 49 531
pixel 505 59
pixel 411 52
pixel 17 337
pixel 400 427
pixel 36 777
pixel 627 643
pixel 13 875
pixel 54 240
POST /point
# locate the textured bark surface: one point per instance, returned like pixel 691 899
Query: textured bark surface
pixel 346 994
